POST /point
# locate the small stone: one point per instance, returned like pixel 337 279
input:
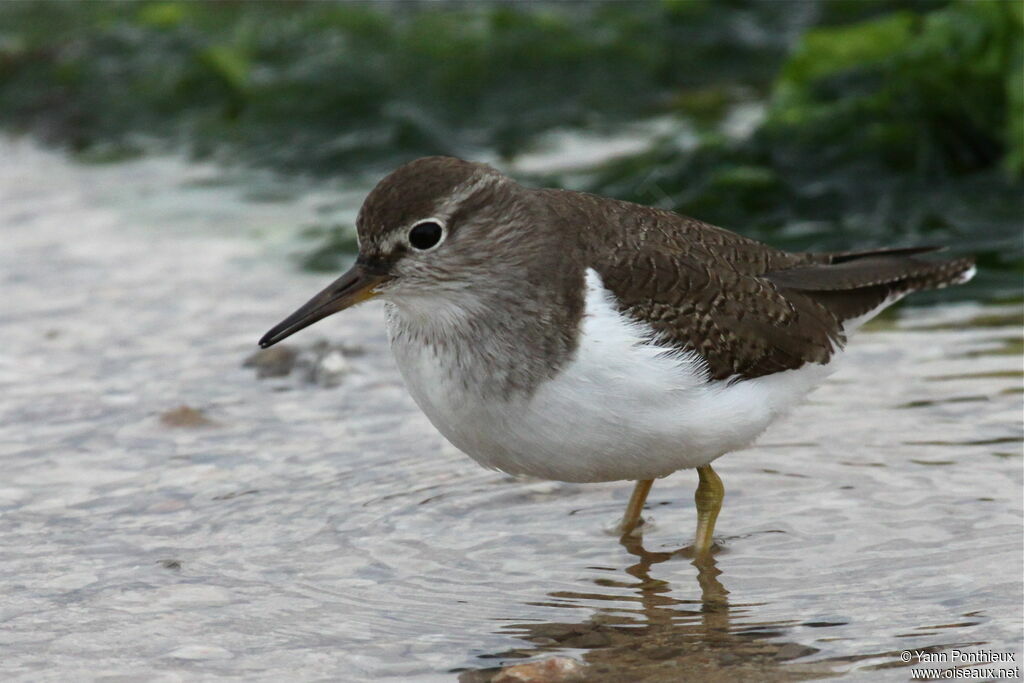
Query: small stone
pixel 185 416
pixel 277 361
pixel 552 670
pixel 319 363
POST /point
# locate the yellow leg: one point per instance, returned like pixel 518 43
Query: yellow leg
pixel 631 519
pixel 709 501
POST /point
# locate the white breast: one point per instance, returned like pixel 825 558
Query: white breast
pixel 623 408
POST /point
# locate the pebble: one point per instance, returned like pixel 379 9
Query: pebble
pixel 277 361
pixel 186 416
pixel 321 363
pixel 551 670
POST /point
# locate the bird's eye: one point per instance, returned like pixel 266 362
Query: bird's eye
pixel 425 235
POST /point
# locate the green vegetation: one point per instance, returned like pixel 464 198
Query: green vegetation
pixel 888 121
pixel 329 87
pixel 908 123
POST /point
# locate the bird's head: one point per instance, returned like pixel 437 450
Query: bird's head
pixel 429 234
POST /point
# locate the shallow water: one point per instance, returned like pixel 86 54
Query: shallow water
pixel 317 532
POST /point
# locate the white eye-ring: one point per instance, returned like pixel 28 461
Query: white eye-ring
pixel 426 234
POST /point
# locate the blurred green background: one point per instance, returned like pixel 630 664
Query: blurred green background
pixel 830 124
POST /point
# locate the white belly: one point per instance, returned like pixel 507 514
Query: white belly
pixel 621 409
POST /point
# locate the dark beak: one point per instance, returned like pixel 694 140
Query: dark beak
pixel 355 286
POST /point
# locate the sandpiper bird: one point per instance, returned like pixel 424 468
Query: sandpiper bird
pixel 572 337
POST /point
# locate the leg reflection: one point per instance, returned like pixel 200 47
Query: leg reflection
pixel 658 607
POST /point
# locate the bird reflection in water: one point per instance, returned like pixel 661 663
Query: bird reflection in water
pixel 647 634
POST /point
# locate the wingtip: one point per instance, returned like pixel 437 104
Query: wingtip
pixel 845 256
pixel 968 274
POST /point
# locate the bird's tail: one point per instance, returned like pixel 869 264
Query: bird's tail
pixel 854 284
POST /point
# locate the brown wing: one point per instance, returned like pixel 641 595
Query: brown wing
pixel 748 309
pixel 741 324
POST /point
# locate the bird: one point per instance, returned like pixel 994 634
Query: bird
pixel 573 337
